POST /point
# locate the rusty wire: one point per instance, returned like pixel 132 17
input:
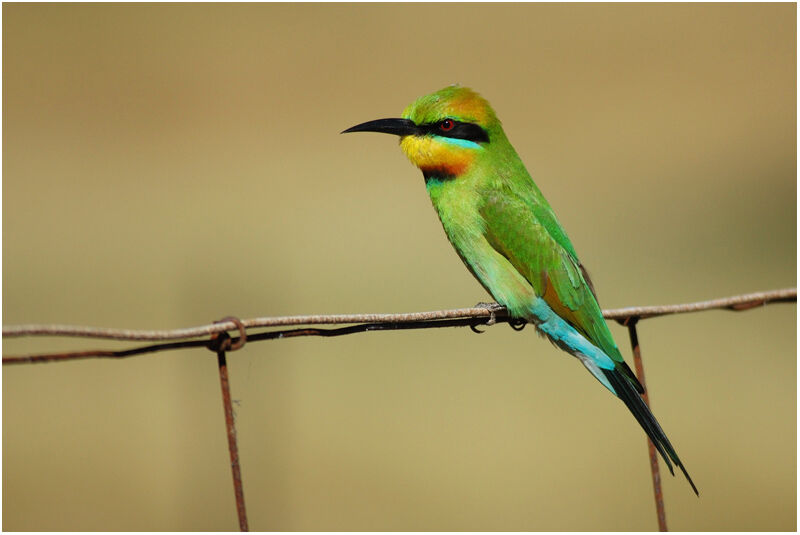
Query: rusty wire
pixel 499 314
pixel 655 474
pixel 219 341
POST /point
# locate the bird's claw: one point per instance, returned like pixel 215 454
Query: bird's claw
pixel 517 323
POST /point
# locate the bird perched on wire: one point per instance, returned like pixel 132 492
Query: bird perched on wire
pixel 508 236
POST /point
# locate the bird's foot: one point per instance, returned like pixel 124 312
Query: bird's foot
pixel 493 309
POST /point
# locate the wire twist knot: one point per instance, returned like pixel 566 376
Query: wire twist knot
pixel 221 342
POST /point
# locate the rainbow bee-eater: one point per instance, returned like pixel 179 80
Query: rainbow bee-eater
pixel 508 236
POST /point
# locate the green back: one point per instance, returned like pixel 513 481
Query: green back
pixel 516 218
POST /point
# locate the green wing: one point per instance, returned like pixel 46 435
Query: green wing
pixel 521 226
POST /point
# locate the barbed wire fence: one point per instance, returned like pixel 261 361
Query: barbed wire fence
pixel 215 337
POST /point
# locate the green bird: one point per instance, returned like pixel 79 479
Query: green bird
pixel 508 236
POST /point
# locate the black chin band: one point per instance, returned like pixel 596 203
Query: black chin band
pixel 436 174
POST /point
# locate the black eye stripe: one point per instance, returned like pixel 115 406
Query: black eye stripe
pixel 468 131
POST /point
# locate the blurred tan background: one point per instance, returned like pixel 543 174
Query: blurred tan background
pixel 167 165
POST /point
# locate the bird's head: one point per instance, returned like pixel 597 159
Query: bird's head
pixel 442 133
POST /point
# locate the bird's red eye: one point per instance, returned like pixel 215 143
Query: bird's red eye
pixel 447 125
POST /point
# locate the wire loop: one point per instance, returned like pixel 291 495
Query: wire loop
pixel 221 342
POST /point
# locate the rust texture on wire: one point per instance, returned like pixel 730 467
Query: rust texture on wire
pixel 658 494
pixel 498 313
pixel 220 343
pixel 217 339
pixel 463 317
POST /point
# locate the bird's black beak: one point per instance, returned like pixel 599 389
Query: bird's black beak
pixel 398 127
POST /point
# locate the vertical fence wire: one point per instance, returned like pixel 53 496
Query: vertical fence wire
pixel 234 450
pixel 654 471
pixel 221 342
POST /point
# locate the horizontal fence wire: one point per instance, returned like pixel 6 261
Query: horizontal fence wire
pixel 470 317
pixel 216 338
